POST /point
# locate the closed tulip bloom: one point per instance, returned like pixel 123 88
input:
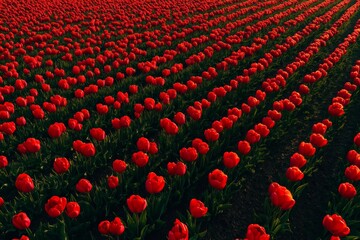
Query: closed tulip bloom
pixel 336 225
pixel 21 221
pixel 262 129
pixel 188 154
pixel 24 183
pixel 197 208
pixel 116 227
pixel 201 146
pixel 318 140
pixel 32 145
pixel 178 168
pixel 140 158
pixel 319 128
pixel 179 118
pixel 347 190
pixel 104 227
pixel 294 174
pixel 83 186
pixel 256 232
pixel 72 209
pixel 230 159
pixel 55 206
pixel 23 237
pixel 98 134
pixel 55 130
pixel 306 149
pixel 281 197
pixel 112 182
pixel 357 139
pixel 211 135
pixel 136 204
pixel 143 144
pixel 3 161
pixel 179 231
pixel 217 179
pixel 268 122
pixel 336 109
pixel 153 148
pixel 252 136
pixel 244 147
pixel 297 160
pixel 353 173
pixel 154 183
pixel 87 149
pixel 353 157
pixel 119 166
pixel 61 165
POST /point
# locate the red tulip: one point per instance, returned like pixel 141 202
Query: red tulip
pixel 197 208
pixel 83 186
pixel 179 118
pixel 55 130
pixel 353 157
pixel 252 136
pixel 116 227
pixel 98 134
pixel 336 225
pixel 217 179
pixel 244 147
pixel 104 227
pixel 153 148
pixel 194 113
pixel 347 190
pixel 306 149
pixel 24 183
pixel 280 196
pixel 21 221
pixel 136 204
pixel 154 183
pixel 72 209
pixel 357 139
pixel 119 166
pixel 353 173
pixel 140 158
pixel 297 160
pixel 61 165
pixel 188 154
pixel 336 109
pixel 256 232
pixel 230 159
pixel 294 174
pixel 319 128
pixel 23 237
pixel 318 140
pixel 87 149
pixel 112 182
pixel 211 135
pixel 178 168
pixel 262 129
pixel 179 231
pixel 143 144
pixel 55 206
pixel 3 161
pixel 32 145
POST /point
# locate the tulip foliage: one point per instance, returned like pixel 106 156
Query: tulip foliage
pixel 167 119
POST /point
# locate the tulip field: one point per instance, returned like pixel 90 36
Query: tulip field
pixel 169 119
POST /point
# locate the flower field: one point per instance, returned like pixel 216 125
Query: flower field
pixel 168 119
